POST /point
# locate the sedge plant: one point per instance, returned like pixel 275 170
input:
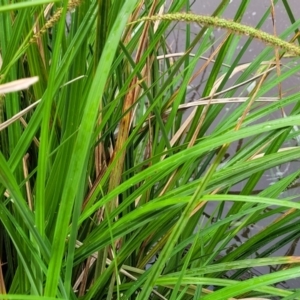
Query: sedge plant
pixel 114 183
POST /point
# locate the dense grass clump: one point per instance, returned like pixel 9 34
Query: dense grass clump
pixel 115 184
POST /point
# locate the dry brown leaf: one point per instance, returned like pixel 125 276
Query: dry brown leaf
pixel 18 85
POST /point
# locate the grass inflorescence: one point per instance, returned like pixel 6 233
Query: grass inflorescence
pixel 229 25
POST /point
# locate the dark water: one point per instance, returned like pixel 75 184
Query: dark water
pixel 254 13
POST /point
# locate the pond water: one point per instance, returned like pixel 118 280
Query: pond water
pixel 254 13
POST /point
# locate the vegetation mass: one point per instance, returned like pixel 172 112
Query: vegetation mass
pixel 130 170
